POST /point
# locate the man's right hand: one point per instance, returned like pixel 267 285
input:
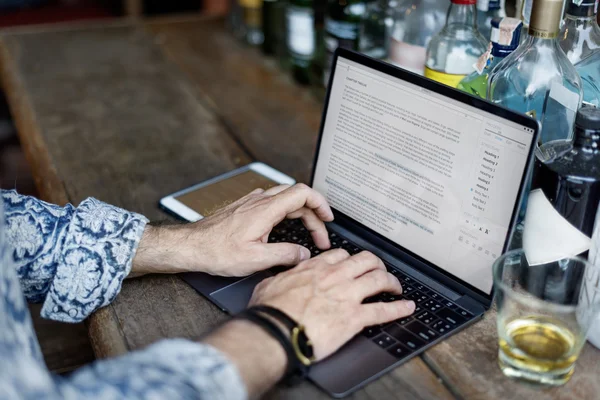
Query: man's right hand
pixel 326 293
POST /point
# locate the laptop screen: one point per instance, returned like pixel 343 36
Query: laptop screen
pixel 434 175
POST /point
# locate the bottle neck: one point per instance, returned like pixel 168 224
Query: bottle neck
pixel 539 41
pixel 500 52
pixel 494 5
pixel 463 14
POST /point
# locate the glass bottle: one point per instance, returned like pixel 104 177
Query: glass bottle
pixel 580 34
pixel 570 178
pixel 538 79
pixel 273 26
pixel 486 11
pixel 318 64
pixel 453 51
pixel 504 38
pixel 523 11
pixel 589 71
pixel 300 24
pixel 375 27
pixel 342 24
pixel 252 13
pixel 415 23
pixel 235 19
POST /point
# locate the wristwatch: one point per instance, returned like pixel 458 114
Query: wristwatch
pixel 297 345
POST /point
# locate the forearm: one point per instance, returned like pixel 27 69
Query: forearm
pixel 259 358
pixel 161 252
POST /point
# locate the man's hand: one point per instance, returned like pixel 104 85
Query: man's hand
pixel 326 295
pixel 233 241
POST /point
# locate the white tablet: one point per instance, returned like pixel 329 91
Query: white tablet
pixel 201 200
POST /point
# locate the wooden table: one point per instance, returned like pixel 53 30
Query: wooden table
pixel 132 111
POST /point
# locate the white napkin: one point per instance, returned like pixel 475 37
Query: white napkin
pixel 547 235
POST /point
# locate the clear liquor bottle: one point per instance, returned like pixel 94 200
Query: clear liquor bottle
pixel 415 23
pixel 342 25
pixel 486 11
pixel 300 22
pixel 453 51
pixel 504 39
pixel 375 28
pixel 538 79
pixel 580 33
pixel 589 71
pixel 252 21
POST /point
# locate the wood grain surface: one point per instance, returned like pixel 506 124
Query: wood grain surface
pixel 129 114
pixel 118 120
pixel 276 120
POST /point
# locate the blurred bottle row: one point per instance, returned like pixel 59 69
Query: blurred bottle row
pixel 544 62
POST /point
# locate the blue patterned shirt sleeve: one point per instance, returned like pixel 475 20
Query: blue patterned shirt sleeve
pixel 95 244
pixel 72 259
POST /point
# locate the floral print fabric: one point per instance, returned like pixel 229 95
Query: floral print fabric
pixel 74 261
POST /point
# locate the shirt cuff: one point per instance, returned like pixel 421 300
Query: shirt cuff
pixel 97 254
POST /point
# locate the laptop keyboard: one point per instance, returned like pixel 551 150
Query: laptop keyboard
pixel 434 314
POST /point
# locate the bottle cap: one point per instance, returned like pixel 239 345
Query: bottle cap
pixel 505 36
pixel 545 18
pixel 468 2
pixel 588 118
pixel 587 8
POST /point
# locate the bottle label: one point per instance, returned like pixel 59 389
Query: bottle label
pixel 562 95
pixel 484 60
pixel 451 80
pixel 408 56
pixel 301 31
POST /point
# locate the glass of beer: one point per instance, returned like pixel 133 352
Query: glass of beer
pixel 544 313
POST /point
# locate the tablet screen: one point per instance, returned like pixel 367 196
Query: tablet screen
pixel 208 199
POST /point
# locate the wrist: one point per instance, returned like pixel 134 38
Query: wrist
pixel 260 359
pixel 163 249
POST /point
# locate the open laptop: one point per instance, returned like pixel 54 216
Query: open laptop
pixel 429 179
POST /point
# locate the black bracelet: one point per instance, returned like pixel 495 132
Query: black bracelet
pixel 295 370
pixel 300 342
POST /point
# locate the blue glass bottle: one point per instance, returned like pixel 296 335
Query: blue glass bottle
pixel 589 71
pixel 476 83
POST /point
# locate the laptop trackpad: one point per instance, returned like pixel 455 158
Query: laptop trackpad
pixel 234 298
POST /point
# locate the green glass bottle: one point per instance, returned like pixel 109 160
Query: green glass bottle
pixel 300 21
pixel 271 26
pixel 505 36
pixel 318 64
pixel 342 25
